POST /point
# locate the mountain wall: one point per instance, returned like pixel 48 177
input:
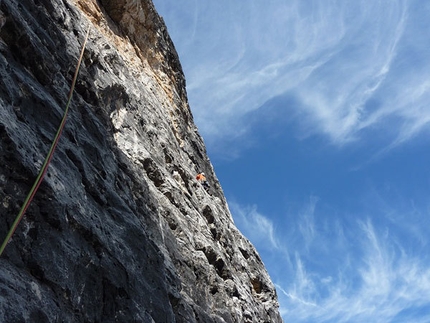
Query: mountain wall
pixel 112 234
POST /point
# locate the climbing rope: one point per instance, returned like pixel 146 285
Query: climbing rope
pixel 48 158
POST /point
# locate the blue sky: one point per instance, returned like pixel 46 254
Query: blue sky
pixel 316 116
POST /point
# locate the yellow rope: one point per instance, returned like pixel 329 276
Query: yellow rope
pixel 48 158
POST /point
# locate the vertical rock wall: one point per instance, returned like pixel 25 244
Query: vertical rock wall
pixel 112 235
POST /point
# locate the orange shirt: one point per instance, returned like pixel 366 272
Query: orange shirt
pixel 200 177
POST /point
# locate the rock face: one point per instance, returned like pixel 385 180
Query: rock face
pixel 119 231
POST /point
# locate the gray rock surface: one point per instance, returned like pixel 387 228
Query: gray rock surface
pixel 119 231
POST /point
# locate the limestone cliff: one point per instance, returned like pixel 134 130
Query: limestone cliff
pixel 112 235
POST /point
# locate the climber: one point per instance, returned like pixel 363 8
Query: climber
pixel 202 179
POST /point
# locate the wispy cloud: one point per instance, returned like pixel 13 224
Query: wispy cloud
pixel 353 67
pixel 379 281
pixel 348 92
pixel 358 269
pixel 306 223
pixel 347 72
pixel 255 226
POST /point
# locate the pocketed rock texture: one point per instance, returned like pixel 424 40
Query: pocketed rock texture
pixel 112 235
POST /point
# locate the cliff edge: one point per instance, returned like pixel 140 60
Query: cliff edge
pixel 112 235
